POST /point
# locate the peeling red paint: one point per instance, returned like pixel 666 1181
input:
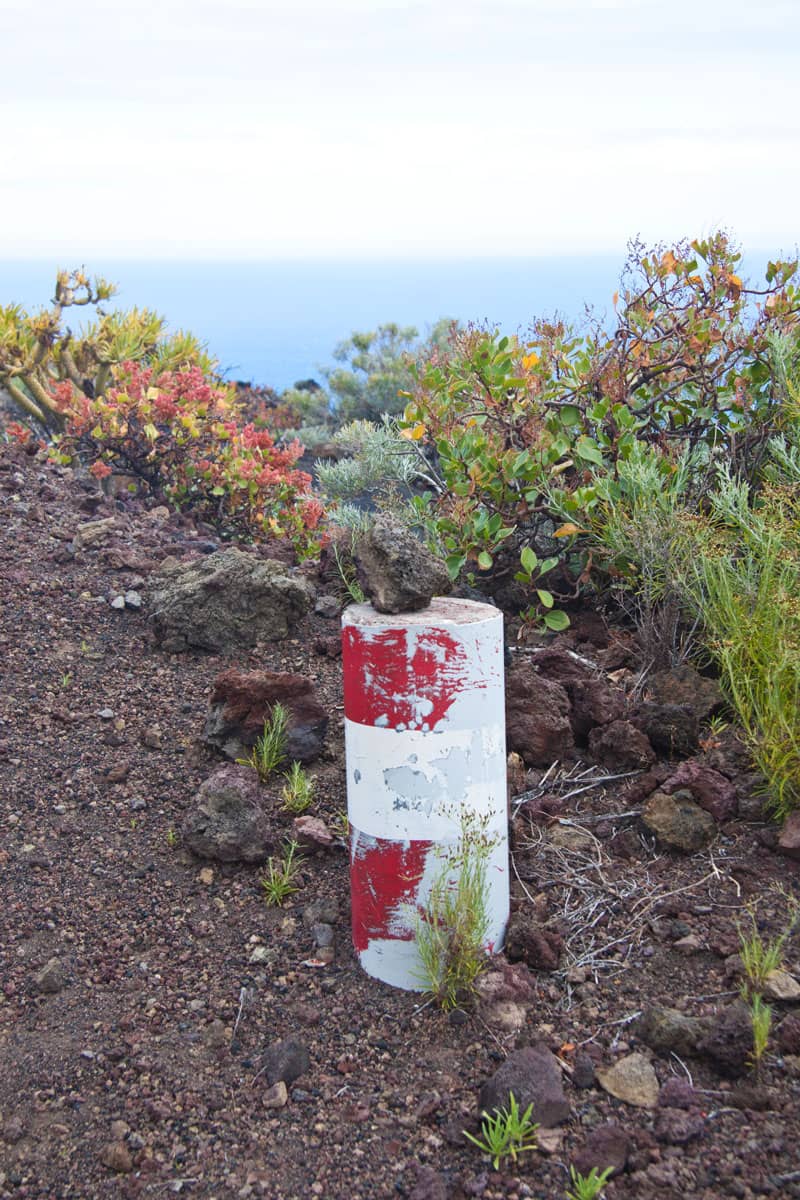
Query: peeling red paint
pixel 383 875
pixel 399 677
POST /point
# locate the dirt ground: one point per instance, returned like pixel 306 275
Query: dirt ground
pixel 139 1073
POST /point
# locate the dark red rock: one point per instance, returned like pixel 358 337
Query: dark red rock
pixel 537 717
pixel 673 728
pixel 620 746
pixel 243 700
pixel 606 1146
pixel 677 1126
pixel 534 944
pixel 709 789
pixel 788 1034
pixel 684 686
pixel 534 1077
pixel 594 703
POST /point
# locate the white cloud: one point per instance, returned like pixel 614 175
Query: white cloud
pixel 374 127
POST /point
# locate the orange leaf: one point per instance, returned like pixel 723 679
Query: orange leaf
pixel 414 433
pixel 567 530
pixel 615 299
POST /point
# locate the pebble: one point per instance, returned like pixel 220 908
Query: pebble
pixel 132 600
pixel 117 1157
pixel 118 602
pixel 276 1096
pixel 106 714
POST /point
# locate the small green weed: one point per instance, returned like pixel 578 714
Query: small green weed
pixel 298 791
pixel 506 1133
pixel 278 883
pixel 270 749
pixel 339 826
pixel 761 1020
pixel 451 932
pixel 588 1187
pixel 759 957
pixel 347 573
pixel 171 839
pixel 66 680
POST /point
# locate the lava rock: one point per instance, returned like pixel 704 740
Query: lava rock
pixel 789 838
pixel 673 728
pixel 396 571
pixel 606 1146
pixel 685 687
pixel 666 1030
pixel 620 746
pixel 225 601
pixel 583 1071
pixel 593 703
pixel 242 701
pixel 729 1043
pixel 712 791
pixel 678 1093
pixel 677 1126
pixel 537 717
pixel 227 821
pixel 285 1061
pixel 534 1076
pixel 532 943
pixel 678 822
pixel 788 1035
pixel 52 978
pixel 632 1080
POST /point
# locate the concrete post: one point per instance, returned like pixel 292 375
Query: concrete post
pixel 424 708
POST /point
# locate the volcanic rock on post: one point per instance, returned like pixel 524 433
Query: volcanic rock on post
pixel 396 571
pixel 227 600
pixel 227 821
pixel 243 700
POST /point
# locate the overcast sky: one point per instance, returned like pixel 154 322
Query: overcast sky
pixel 256 129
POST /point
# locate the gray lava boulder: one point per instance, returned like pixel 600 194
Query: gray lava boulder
pixel 243 700
pixel 228 821
pixel 227 600
pixel 534 1076
pixel 396 571
pixel 685 687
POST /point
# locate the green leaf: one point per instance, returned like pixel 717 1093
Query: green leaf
pixel 589 451
pixel 570 414
pixel 528 560
pixel 454 563
pixel 484 560
pixel 218 491
pixel 545 597
pixel 556 620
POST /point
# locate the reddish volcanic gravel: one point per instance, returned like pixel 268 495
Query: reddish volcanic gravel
pixel 140 1062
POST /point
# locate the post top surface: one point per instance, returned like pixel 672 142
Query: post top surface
pixel 442 610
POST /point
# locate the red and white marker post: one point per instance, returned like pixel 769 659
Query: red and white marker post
pixel 424 706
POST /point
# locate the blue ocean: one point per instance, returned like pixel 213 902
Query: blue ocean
pixel 277 322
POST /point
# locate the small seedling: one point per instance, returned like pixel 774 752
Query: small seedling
pixel 506 1133
pixel 298 791
pixel 278 883
pixel 347 574
pixel 588 1187
pixel 172 838
pixel 66 680
pixel 339 826
pixel 452 931
pixel 759 957
pixel 761 1020
pixel 270 749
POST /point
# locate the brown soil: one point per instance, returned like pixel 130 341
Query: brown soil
pixel 140 1076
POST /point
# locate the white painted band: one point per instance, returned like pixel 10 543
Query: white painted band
pixel 418 786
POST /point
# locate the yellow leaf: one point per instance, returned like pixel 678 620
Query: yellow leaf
pixel 152 393
pixel 415 432
pixel 530 360
pixel 567 530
